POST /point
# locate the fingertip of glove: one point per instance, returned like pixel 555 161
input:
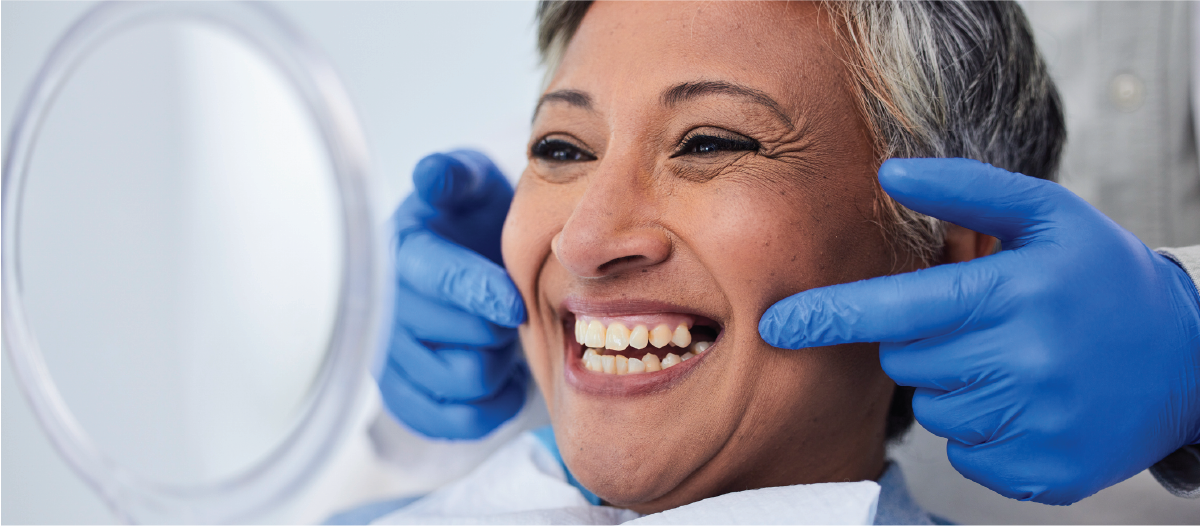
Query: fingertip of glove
pixel 895 175
pixel 897 171
pixel 766 326
pixel 772 327
pixel 445 181
pixel 502 304
pixel 509 311
pixel 894 167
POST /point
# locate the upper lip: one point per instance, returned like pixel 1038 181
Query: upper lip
pixel 579 305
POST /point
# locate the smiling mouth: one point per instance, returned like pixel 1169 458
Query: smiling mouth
pixel 641 344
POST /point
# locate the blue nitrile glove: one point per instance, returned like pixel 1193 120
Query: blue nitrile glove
pixel 453 367
pixel 1060 366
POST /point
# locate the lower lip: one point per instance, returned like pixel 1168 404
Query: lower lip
pixel 604 384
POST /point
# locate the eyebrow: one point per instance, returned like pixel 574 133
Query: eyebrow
pixel 572 97
pixel 687 91
pixel 678 94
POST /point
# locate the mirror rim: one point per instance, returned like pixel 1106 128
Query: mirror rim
pixel 364 298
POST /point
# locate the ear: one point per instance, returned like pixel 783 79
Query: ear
pixel 964 245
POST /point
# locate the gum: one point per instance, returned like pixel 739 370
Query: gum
pixel 649 320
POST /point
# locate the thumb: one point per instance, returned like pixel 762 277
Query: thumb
pixel 459 180
pixel 974 195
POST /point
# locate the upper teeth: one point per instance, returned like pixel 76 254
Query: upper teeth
pixel 682 336
pixel 618 337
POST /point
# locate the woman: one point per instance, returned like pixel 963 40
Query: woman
pixel 690 165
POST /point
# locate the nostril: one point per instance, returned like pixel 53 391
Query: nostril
pixel 596 249
pixel 618 262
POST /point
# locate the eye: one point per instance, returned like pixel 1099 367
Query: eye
pixel 708 144
pixel 560 151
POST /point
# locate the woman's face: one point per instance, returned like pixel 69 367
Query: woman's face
pixel 691 164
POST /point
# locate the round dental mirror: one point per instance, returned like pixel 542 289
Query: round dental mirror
pixel 193 285
pixel 178 251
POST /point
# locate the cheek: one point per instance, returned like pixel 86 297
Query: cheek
pixel 535 216
pixel 533 219
pixel 765 244
pixel 518 239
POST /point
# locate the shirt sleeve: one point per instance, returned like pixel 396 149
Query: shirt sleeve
pixel 1179 472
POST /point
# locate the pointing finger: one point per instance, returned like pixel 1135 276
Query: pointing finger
pixel 975 195
pixel 437 268
pixel 899 308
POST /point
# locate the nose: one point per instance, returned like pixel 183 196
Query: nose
pixel 613 228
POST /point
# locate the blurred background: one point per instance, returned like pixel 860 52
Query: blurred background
pixel 424 77
pixel 180 243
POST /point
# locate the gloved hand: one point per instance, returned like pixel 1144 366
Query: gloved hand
pixel 453 368
pixel 1062 365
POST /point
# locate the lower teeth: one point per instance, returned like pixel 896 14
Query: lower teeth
pixel 620 364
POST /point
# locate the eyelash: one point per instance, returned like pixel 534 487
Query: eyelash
pixel 557 150
pixel 701 144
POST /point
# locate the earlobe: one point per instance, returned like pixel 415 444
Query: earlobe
pixel 963 244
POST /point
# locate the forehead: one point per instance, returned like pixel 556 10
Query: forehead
pixel 623 49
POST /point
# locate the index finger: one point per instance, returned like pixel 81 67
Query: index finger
pixel 437 268
pixel 976 195
pixel 897 308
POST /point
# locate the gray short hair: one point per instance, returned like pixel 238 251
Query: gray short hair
pixel 934 79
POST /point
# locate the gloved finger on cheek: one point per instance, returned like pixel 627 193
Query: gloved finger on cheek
pixel 897 308
pixel 451 374
pixel 436 419
pixel 430 320
pixel 436 268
